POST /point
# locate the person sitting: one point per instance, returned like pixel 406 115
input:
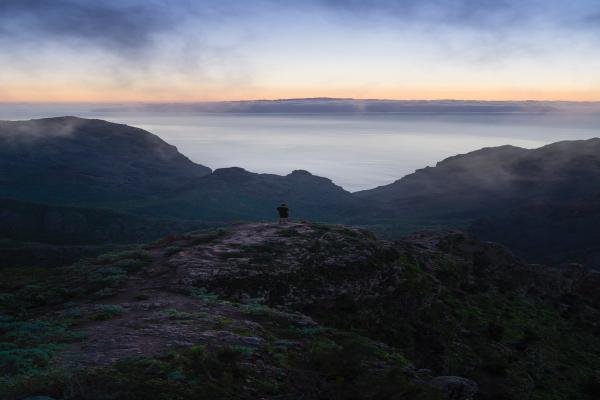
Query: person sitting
pixel 283 211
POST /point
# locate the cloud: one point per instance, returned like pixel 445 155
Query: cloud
pixel 482 15
pixel 448 12
pixel 126 45
pixel 18 133
pixel 592 20
pixel 120 27
pixel 126 26
pixel 200 48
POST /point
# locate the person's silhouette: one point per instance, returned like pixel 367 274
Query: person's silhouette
pixel 284 212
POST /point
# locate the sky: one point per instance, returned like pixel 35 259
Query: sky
pixel 206 50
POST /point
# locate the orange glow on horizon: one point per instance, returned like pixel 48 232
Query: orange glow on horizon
pixel 83 95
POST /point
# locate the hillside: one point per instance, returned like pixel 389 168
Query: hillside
pixel 34 234
pixel 234 194
pixel 81 226
pixel 497 177
pixel 548 233
pixel 539 202
pixel 93 163
pixel 302 311
pixel 76 161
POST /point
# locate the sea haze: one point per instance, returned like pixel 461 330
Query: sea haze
pixel 356 150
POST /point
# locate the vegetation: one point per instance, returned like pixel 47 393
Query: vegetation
pixel 318 312
pixel 337 366
pixel 29 338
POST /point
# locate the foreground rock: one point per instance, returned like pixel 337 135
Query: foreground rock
pixel 302 311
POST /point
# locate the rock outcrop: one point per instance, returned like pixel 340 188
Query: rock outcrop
pixel 302 310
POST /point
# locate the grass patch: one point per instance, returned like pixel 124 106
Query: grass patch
pixel 103 312
pixel 26 289
pixel 204 295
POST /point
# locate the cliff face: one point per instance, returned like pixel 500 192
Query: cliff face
pixel 303 310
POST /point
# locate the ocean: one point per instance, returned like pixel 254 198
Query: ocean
pixel 356 151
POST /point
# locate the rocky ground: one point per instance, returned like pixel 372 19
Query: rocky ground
pixel 305 311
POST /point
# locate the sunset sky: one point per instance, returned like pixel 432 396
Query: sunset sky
pixel 186 50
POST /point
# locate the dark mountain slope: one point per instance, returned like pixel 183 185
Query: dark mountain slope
pixel 463 182
pixel 500 177
pixel 542 202
pixel 550 234
pixel 302 311
pixel 236 194
pixel 93 163
pixel 38 235
pixel 61 225
pixel 70 160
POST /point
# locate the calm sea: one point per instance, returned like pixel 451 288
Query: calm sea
pixel 357 151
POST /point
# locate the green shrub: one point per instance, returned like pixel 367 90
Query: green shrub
pixel 104 293
pixel 110 258
pixel 205 237
pixel 130 265
pixel 172 313
pixel 171 250
pixel 106 311
pixel 204 295
pixel 255 308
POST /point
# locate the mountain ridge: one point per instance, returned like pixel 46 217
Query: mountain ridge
pixel 81 155
pixel 95 164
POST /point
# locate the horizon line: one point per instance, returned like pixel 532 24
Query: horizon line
pixel 323 98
